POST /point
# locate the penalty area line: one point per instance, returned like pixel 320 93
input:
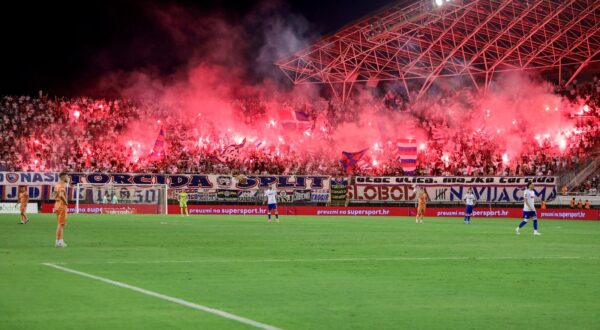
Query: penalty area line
pixel 182 302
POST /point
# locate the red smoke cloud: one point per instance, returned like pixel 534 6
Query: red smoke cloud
pixel 233 60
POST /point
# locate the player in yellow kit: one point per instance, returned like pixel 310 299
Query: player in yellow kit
pixel 182 196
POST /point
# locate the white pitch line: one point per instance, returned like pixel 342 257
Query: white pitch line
pixel 168 298
pixel 349 259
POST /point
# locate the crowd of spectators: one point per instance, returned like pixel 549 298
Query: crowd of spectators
pixel 88 135
pixel 590 186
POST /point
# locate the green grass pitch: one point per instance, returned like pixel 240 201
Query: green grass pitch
pixel 302 273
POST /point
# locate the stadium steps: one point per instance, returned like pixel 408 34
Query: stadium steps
pixel 573 178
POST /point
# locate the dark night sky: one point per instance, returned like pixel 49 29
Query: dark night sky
pixel 63 47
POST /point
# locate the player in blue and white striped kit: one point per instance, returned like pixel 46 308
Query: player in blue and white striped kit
pixel 271 194
pixel 470 201
pixel 529 209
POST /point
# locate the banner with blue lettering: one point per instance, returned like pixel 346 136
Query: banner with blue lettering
pixel 200 187
pixel 294 188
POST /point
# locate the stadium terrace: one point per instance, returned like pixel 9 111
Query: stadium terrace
pixel 226 165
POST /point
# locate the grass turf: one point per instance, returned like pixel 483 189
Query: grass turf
pixel 303 273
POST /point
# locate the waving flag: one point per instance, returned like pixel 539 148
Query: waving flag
pixel 291 119
pixel 159 146
pixel 350 159
pixel 259 144
pixel 301 116
pixel 231 151
pixel 237 146
pixel 407 154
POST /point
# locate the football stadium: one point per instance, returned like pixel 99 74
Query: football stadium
pixel 287 164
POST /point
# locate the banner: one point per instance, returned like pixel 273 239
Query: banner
pixel 338 189
pixel 109 209
pixel 172 180
pixel 12 208
pixel 250 196
pixel 449 189
pixel 200 187
pixel 291 189
pixel 229 195
pixel 506 213
pixel 407 155
pixel 11 193
pixel 107 194
pixel 199 195
pixel 302 195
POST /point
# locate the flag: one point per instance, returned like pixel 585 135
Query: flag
pixel 301 116
pixel 350 159
pixel 237 146
pixel 230 151
pixel 159 146
pixel 291 119
pixel 259 144
pixel 407 154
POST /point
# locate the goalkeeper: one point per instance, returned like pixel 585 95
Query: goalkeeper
pixel 182 196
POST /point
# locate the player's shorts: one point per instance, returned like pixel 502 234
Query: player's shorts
pixel 421 210
pixel 183 205
pixel 61 215
pixel 529 215
pixel 272 207
pixel 469 210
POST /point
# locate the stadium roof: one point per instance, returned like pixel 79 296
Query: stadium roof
pixel 421 41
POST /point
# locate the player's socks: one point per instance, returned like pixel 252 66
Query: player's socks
pixel 269 217
pixel 523 223
pixel 535 225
